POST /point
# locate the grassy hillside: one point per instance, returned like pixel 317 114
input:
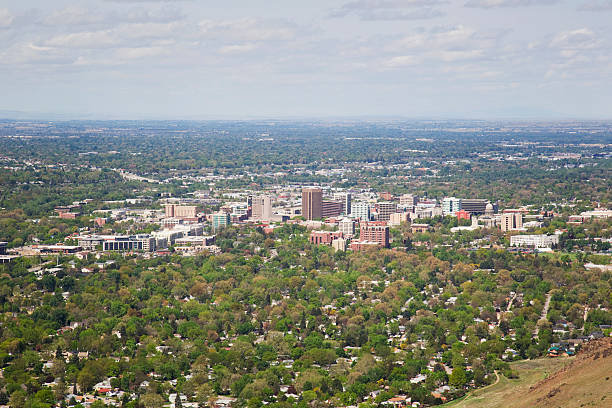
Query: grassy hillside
pixel 581 381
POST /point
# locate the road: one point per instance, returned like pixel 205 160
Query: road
pixel 511 301
pixel 544 313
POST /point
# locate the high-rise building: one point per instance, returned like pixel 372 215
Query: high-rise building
pixel 312 201
pixel 511 221
pixel 345 199
pixel 361 211
pixel 408 201
pixel 385 209
pixel 262 208
pixel 374 233
pixel 450 205
pixel 220 219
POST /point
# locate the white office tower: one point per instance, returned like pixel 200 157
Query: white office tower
pixel 361 211
pixel 450 205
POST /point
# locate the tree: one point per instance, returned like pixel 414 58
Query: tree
pixel 458 377
pixel 151 400
pixel 18 399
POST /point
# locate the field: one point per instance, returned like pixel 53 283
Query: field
pixel 582 381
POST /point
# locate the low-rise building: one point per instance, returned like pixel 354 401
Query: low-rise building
pixel 324 237
pixel 534 241
pixel 339 244
pixel 419 228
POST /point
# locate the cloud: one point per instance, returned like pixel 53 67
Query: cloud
pixel 596 5
pixel 137 34
pixel 391 9
pixel 488 4
pixel 237 48
pixel 93 39
pixel 81 16
pixel 400 61
pixel 246 29
pixel 580 39
pixel 6 18
pixel 146 1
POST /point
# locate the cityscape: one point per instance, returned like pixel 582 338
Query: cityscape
pixel 402 277
pixel 323 204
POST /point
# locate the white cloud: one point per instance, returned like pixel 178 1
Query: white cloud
pixel 237 48
pixel 142 52
pixel 91 17
pixel 596 5
pixel 454 55
pixel 400 61
pixel 391 9
pixel 509 3
pixel 73 15
pixel 246 29
pixel 579 39
pixel 6 18
pixel 95 39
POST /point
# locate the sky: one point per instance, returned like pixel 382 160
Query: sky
pixel 237 59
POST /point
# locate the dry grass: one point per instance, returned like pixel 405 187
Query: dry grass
pixel 582 381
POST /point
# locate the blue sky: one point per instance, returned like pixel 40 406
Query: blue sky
pixel 203 59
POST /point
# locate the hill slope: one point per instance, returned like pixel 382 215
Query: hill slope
pixel 581 381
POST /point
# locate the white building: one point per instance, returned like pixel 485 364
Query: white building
pixel 339 244
pixel 347 227
pixel 534 241
pixel 450 205
pixel 397 218
pixel 408 201
pixel 425 212
pixel 361 211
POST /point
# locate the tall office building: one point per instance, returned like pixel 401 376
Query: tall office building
pixel 345 199
pixel 262 208
pixel 450 205
pixel 511 221
pixel 361 211
pixel 312 201
pixel 385 210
